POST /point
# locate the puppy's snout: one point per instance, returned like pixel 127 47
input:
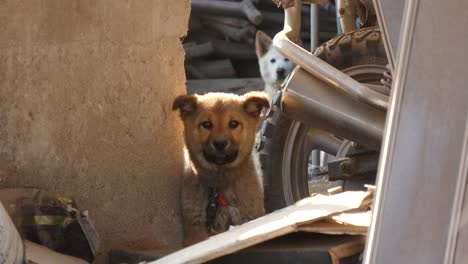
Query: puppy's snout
pixel 281 72
pixel 220 144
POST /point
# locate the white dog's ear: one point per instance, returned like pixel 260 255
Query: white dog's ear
pixel 262 43
pixel 255 102
pixel 187 104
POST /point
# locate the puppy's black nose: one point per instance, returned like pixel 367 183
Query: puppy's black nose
pixel 281 73
pixel 220 144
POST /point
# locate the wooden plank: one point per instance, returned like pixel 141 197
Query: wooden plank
pixel 234 50
pixel 335 190
pixel 350 223
pixel 194 72
pixel 298 247
pixel 342 251
pixel 215 68
pixel 245 34
pixel 230 21
pixel 193 51
pixel 273 225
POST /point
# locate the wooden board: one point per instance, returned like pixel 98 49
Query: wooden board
pixel 273 225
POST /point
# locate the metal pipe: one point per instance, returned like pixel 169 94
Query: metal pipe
pixel 314 32
pixel 284 42
pixel 332 110
pixel 323 140
pixel 314 39
pixel 353 167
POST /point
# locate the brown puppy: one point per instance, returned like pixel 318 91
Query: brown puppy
pixel 222 183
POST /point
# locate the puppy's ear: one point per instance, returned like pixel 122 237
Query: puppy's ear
pixel 262 43
pixel 255 102
pixel 187 104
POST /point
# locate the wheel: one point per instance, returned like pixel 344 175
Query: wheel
pixel 283 151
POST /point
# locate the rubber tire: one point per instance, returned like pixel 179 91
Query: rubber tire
pixel 355 48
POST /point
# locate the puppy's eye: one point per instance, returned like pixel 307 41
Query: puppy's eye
pixel 233 124
pixel 286 59
pixel 273 60
pixel 207 125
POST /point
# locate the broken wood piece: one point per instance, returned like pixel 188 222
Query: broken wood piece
pixel 278 223
pixel 333 228
pixel 193 72
pixel 216 69
pixel 233 33
pixel 243 8
pixel 230 21
pixel 335 190
pixel 251 12
pixel 237 86
pixel 221 48
pixel 234 50
pixel 195 23
pixel 350 223
pixel 370 187
pixel 189 44
pixel 338 253
pixel 199 50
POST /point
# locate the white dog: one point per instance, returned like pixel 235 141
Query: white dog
pixel 274 67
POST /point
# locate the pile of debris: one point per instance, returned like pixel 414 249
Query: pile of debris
pixel 220 42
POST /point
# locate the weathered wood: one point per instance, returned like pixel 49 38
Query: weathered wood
pixel 237 86
pixel 251 12
pixel 204 35
pixel 216 68
pixel 233 33
pixel 243 8
pixel 278 223
pixel 234 50
pixel 230 21
pixel 194 72
pixel 221 48
pixel 195 23
pixel 335 190
pixel 199 50
pixel 189 44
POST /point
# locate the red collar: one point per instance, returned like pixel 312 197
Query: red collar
pixel 221 200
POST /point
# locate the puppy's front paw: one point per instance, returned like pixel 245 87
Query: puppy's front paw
pixel 226 216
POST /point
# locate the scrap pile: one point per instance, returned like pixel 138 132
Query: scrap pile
pixel 221 41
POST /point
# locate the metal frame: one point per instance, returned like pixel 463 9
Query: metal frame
pixel 457 236
pixel 332 110
pixel 390 15
pixel 423 164
pixel 285 40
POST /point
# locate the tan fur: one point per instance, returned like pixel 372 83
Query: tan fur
pixel 239 180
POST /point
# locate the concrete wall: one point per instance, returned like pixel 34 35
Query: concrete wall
pixel 85 94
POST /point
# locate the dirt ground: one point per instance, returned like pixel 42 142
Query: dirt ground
pixel 85 109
